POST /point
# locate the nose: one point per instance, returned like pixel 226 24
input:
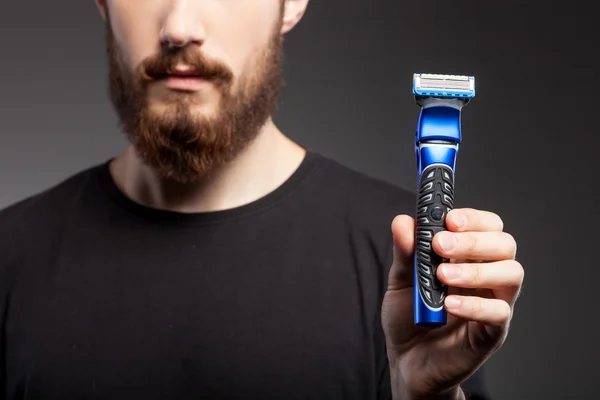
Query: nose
pixel 181 25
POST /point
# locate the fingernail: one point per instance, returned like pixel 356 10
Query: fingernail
pixel 452 302
pixel 446 240
pixel 459 219
pixel 451 271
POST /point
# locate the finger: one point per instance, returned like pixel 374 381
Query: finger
pixel 483 246
pixel 505 277
pixel 470 219
pixel 403 231
pixel 400 275
pixel 494 312
pixel 496 275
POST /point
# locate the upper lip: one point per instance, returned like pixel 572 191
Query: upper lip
pixel 187 73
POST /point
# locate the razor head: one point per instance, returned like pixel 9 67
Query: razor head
pixel 444 86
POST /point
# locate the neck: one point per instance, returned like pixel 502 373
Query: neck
pixel 262 167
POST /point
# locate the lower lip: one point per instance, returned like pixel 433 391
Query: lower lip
pixel 186 83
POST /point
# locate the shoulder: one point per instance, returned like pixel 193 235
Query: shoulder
pixel 33 224
pixel 43 210
pixel 361 205
pixel 362 193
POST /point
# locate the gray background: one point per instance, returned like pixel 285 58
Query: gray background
pixel 528 151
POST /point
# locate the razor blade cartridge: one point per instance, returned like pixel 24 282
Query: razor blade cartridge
pixel 444 86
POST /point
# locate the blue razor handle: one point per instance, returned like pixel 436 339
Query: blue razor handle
pixel 441 98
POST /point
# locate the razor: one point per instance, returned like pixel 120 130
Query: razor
pixel 441 98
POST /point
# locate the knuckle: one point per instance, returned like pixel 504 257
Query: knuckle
pixel 518 273
pixel 512 244
pixel 499 222
pixel 475 306
pixel 471 244
pixel 475 274
pixel 505 312
pixel 494 221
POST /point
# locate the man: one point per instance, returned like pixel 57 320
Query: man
pixel 215 258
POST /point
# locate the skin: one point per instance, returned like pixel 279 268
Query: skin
pixel 232 32
pixel 484 280
pixel 424 364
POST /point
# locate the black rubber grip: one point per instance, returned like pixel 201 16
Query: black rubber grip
pixel 435 199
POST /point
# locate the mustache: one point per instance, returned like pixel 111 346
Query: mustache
pixel 163 64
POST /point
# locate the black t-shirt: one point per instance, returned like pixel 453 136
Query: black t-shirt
pixel 102 298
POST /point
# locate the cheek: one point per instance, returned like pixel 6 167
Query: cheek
pixel 135 39
pixel 246 57
pixel 250 67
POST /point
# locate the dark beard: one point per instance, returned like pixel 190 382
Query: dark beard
pixel 178 144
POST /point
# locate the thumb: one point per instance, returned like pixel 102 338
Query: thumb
pixel 403 232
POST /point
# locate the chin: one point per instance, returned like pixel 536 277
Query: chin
pixel 194 107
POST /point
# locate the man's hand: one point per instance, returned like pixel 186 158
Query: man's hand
pixel 484 282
